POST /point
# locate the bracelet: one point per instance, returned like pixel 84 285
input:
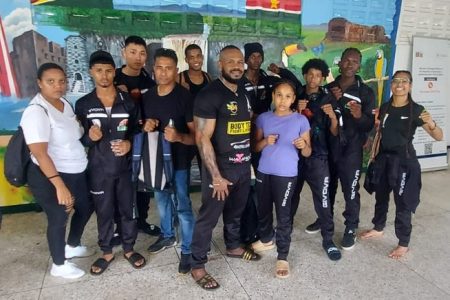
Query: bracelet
pixel 54 176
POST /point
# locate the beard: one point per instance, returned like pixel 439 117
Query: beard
pixel 229 79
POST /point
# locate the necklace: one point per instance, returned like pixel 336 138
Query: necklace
pixel 234 90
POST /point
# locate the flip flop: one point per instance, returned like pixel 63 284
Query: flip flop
pixel 102 264
pixel 134 258
pixel 282 265
pixel 205 280
pixel 247 255
pixel 259 246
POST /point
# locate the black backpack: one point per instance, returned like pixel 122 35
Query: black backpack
pixel 17 158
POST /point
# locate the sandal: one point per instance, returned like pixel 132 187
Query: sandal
pixel 282 265
pixel 134 258
pixel 260 246
pixel 102 264
pixel 205 281
pixel 247 255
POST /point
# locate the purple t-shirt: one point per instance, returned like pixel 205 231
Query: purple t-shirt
pixel 281 158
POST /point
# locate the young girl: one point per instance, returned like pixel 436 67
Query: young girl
pixel 279 135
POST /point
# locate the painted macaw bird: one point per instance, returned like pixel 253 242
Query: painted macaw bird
pixel 380 70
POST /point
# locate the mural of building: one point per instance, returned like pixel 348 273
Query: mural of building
pixel 30 50
pixel 341 30
pixel 77 65
pixel 8 82
pixel 366 12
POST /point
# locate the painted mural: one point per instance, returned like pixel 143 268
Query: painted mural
pixel 67 31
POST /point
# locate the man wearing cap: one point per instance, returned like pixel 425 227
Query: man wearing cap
pixel 109 118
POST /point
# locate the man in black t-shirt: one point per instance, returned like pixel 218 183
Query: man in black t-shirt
pixel 133 79
pixel 168 109
pixel 222 120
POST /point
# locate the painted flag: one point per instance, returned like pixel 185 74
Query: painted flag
pixel 287 6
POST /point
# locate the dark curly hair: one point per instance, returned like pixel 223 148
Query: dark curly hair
pixel 318 64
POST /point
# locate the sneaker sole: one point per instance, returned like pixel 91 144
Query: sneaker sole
pixel 312 231
pixel 349 248
pixel 80 256
pixel 74 276
pixel 163 248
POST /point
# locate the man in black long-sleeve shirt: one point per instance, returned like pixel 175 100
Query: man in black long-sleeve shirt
pixel 356 102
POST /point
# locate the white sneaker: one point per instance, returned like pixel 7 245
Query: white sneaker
pixel 67 270
pixel 78 251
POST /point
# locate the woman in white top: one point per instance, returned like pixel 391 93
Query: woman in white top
pixel 56 176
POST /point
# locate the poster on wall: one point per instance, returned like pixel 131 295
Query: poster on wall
pixel 431 58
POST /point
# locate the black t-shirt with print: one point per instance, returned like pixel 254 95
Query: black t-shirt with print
pixel 136 85
pixel 231 137
pixel 177 105
pixel 398 126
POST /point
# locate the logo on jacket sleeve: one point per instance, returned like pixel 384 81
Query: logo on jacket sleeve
pixel 123 125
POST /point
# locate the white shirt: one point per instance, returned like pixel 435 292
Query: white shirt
pixel 60 130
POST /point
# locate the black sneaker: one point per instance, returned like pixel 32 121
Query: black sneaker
pixel 313 228
pixel 348 241
pixel 331 250
pixel 116 240
pixel 184 266
pixel 150 229
pixel 161 244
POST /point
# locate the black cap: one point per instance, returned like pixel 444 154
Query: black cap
pixel 251 48
pixel 101 57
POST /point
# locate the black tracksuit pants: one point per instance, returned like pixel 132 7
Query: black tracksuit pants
pixel 45 194
pixel 211 209
pixel 348 170
pixel 406 189
pixel 109 192
pixel 278 190
pixel 315 171
pixel 142 203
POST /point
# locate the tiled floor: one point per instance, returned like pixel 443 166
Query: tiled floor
pixel 363 273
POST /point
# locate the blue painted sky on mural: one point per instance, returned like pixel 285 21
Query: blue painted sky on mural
pixel 366 12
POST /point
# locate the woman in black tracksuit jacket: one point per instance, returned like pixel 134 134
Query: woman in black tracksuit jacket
pixel 396 167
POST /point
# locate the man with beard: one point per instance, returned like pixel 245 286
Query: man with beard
pixel 134 79
pixel 222 122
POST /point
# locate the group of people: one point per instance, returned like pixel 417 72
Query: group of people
pixel 290 133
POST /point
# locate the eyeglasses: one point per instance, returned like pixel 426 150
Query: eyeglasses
pixel 400 80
